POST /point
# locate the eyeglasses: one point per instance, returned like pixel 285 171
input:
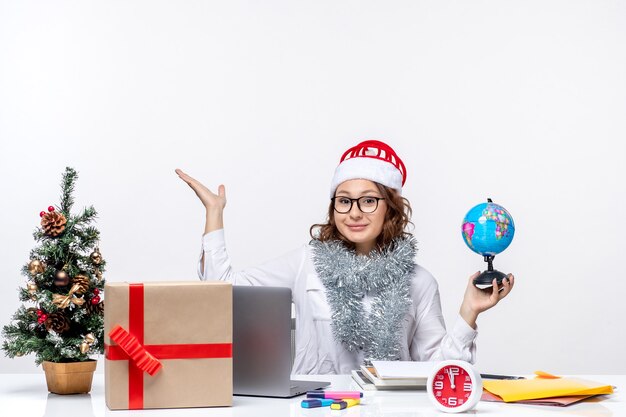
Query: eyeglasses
pixel 368 205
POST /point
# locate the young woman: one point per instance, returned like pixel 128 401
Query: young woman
pixel 358 293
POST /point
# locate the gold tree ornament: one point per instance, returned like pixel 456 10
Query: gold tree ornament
pixel 32 288
pixel 63 301
pixel 36 267
pixel 53 223
pixel 61 279
pixel 86 343
pixel 96 256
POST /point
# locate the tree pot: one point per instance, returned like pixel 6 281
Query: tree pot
pixel 69 377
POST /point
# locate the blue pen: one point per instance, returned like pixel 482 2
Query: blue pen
pixel 317 402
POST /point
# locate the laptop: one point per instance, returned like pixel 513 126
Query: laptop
pixel 262 343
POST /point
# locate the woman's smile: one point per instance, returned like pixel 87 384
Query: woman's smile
pixel 356 227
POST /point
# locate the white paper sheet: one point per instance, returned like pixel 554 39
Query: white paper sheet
pixel 403 369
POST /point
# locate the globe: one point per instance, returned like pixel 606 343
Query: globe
pixel 488 229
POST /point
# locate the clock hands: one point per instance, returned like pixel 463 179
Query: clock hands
pixel 451 377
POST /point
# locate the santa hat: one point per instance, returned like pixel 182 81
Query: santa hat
pixel 370 160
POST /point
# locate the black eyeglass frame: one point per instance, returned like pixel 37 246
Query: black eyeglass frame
pixel 358 204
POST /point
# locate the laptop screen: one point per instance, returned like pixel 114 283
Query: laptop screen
pixel 261 340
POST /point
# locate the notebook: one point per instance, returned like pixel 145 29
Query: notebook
pixel 262 343
pixel 395 375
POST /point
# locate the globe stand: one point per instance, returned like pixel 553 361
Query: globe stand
pixel 485 279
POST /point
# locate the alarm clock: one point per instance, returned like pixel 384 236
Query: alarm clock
pixel 454 386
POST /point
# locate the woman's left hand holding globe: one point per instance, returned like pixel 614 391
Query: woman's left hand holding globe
pixel 476 300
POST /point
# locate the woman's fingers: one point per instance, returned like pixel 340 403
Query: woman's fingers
pixel 208 198
pixel 192 182
pixel 495 289
pixel 498 292
pixel 188 179
pixel 182 175
pixel 507 285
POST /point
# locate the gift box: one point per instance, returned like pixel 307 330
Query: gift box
pixel 168 345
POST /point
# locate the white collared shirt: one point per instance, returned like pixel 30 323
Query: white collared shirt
pixel 424 336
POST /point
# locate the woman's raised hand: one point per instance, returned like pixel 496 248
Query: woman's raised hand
pixel 210 200
pixel 213 203
pixel 475 300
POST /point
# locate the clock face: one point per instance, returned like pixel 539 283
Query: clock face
pixel 452 386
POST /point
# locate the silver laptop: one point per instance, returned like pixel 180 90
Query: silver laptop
pixel 262 343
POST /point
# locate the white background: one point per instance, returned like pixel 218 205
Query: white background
pixel 523 102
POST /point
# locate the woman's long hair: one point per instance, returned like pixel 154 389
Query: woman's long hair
pixel 397 219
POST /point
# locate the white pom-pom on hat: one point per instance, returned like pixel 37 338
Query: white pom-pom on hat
pixel 371 160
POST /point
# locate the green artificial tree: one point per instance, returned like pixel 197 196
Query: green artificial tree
pixel 63 318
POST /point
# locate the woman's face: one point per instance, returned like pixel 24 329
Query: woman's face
pixel 360 228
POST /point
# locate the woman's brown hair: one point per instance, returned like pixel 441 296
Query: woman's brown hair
pixel 397 218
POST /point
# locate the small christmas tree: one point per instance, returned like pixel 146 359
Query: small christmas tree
pixel 65 284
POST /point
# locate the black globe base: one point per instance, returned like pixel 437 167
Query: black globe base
pixel 485 279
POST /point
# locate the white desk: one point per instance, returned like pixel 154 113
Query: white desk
pixel 25 395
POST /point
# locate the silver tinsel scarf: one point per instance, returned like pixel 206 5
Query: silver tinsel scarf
pixel 348 277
